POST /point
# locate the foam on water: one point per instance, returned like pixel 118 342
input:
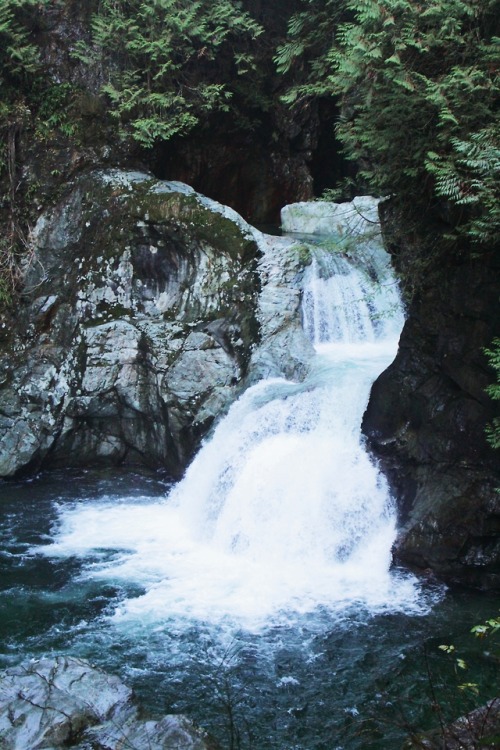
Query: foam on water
pixel 282 511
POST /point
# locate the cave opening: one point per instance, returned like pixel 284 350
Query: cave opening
pixel 258 172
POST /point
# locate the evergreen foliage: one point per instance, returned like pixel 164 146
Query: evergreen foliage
pixel 19 57
pixel 19 71
pixel 152 52
pixel 419 87
pixel 493 430
pixel 19 65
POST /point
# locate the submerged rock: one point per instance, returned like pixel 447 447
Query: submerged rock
pixel 66 703
pixel 140 317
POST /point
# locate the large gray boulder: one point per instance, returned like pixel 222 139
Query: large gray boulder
pixel 140 317
pixel 66 703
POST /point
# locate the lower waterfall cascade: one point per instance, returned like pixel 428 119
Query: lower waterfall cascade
pixel 282 511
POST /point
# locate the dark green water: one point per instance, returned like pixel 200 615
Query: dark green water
pixel 316 682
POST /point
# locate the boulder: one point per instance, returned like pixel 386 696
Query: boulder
pixel 64 702
pixel 139 321
pixel 479 728
pixel 357 218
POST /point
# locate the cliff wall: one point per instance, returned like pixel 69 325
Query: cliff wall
pixel 428 412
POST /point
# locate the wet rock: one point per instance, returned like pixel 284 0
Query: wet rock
pixel 479 728
pixel 427 416
pixel 125 269
pixel 66 703
pixel 357 218
pixel 283 350
pixel 141 317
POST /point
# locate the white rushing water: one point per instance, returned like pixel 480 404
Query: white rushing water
pixel 282 511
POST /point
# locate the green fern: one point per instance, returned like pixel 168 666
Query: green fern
pixel 493 429
pixel 150 50
pixel 419 90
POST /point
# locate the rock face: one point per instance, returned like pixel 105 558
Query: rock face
pixel 250 174
pixel 141 317
pixel 66 703
pixel 426 422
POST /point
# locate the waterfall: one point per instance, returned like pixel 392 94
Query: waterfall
pixel 282 510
